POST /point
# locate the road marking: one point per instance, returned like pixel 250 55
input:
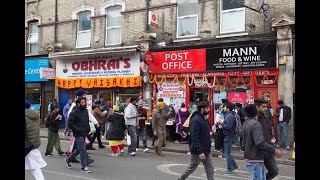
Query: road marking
pixel 80 177
pixel 238 174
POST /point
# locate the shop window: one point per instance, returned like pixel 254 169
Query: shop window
pixel 187 24
pixel 232 17
pixel 113 32
pixel 33 38
pixel 84 29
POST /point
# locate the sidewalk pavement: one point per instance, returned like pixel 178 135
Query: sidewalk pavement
pixel 183 148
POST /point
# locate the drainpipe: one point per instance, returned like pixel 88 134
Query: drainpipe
pixel 55 21
pixel 147 12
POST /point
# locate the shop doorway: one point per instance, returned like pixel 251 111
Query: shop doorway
pixel 270 94
pixel 203 94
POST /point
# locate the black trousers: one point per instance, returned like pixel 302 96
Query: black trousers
pixel 271 165
pixel 97 135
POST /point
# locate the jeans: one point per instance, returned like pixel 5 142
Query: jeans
pixel 227 145
pixel 142 132
pixel 97 135
pixel 256 171
pixel 195 161
pixel 53 140
pixel 285 128
pixel 133 134
pixel 271 165
pixel 82 150
pixel 103 126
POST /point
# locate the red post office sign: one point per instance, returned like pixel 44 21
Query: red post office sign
pixel 193 60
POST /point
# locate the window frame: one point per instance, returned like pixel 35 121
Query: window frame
pixel 228 11
pixel 29 36
pixel 112 27
pixel 83 31
pixel 188 16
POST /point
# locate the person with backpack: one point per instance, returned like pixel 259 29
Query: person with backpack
pixel 242 116
pixel 229 133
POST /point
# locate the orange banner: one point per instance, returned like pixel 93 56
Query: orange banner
pixel 88 83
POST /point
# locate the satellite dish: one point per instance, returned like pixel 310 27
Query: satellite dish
pixel 260 3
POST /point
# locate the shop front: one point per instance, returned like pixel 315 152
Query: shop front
pixel 107 77
pixel 36 86
pixel 239 73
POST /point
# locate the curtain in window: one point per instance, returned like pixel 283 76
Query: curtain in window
pixel 113 25
pixel 113 36
pixel 84 39
pixel 233 21
pixel 187 17
pixel 187 26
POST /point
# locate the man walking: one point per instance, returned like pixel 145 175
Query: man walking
pixel 284 116
pixel 200 142
pixel 141 128
pixel 229 133
pixel 79 123
pixel 130 116
pixel 269 161
pixel 254 144
pixel 159 118
pixel 98 114
pixel 65 115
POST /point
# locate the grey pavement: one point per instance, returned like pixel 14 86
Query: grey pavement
pixel 143 166
pixel 183 148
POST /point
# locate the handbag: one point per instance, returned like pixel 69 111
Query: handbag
pixel 185 126
pixel 28 146
pixel 128 140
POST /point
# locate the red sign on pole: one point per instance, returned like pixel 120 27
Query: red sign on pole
pixel 193 60
pixel 149 59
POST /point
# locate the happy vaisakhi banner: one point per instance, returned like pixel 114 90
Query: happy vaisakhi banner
pixel 133 81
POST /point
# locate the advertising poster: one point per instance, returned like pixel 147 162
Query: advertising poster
pixel 237 97
pixel 89 100
pixel 218 96
pixel 174 94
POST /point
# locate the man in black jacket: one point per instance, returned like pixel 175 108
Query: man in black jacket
pixel 284 116
pixel 242 116
pixel 269 160
pixel 254 144
pixel 79 123
pixel 200 142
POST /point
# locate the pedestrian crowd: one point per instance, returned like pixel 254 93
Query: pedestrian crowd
pixel 250 126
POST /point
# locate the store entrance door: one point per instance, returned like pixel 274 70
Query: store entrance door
pixel 204 94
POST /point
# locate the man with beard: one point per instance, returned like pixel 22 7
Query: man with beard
pixel 79 123
pixel 269 161
pixel 159 118
pixel 200 142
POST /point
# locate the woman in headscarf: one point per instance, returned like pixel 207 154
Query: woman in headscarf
pixel 181 116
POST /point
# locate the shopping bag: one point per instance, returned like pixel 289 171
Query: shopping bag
pixel 69 151
pixel 128 140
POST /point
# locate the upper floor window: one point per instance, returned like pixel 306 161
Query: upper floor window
pixel 187 24
pixel 113 32
pixel 84 29
pixel 33 38
pixel 232 17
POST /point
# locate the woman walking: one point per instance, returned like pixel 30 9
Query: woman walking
pixel 116 134
pixel 181 116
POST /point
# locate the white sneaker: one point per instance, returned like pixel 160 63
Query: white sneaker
pixel 87 151
pixel 114 154
pixel 177 142
pixel 121 152
pixel 102 136
pixel 212 144
pixel 188 153
pixel 137 149
pixel 146 150
pixel 132 153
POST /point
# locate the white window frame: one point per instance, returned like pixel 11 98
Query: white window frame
pixel 33 43
pixel 112 27
pixel 228 11
pixel 84 31
pixel 182 17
